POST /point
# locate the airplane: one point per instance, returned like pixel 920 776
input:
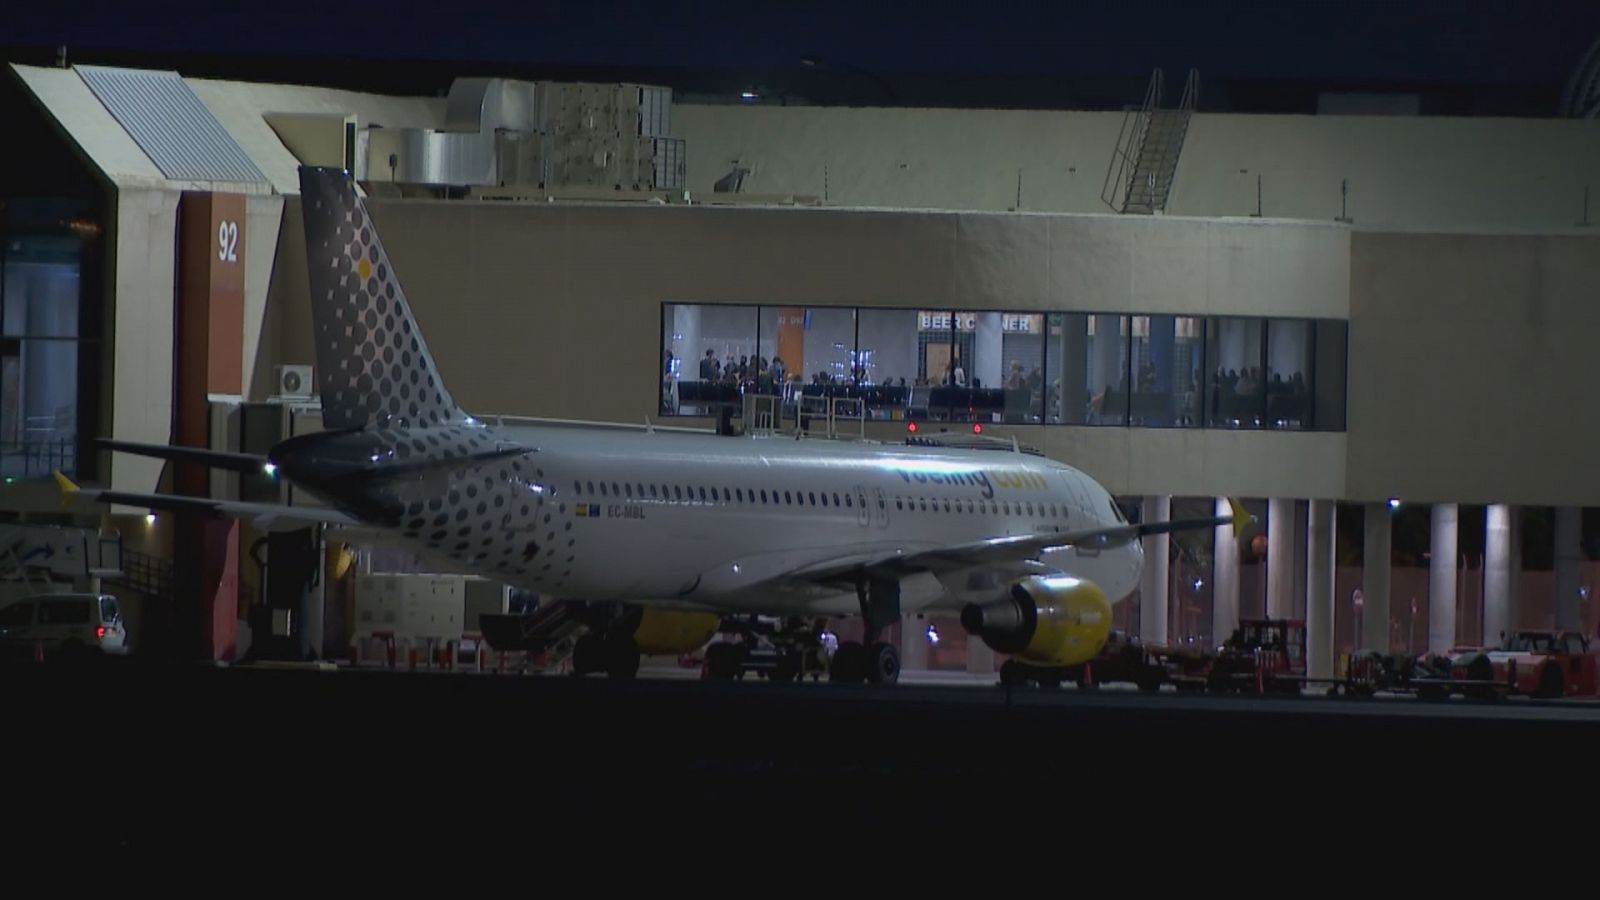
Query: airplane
pixel 673 533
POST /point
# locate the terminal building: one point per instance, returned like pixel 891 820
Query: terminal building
pixel 1373 329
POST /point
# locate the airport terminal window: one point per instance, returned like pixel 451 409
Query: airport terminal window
pixel 1074 368
pixel 40 337
pixel 1166 354
pixel 1235 389
pixel 1086 366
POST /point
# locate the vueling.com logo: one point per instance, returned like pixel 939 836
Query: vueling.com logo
pixel 978 478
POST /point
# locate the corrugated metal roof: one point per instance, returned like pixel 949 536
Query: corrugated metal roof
pixel 171 125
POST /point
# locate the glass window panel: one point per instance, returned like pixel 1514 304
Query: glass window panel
pixel 1022 367
pixel 702 348
pixel 1235 397
pixel 38 407
pixel 1167 354
pixel 814 351
pixel 947 340
pixel 1288 380
pixel 1328 382
pixel 1087 369
pixel 888 345
pixel 41 287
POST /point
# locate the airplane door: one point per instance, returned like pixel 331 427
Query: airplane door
pixel 863 514
pixel 880 512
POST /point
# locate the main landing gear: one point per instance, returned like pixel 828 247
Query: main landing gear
pixel 617 655
pixel 871 660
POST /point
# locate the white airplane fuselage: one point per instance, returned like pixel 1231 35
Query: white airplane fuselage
pixel 701 521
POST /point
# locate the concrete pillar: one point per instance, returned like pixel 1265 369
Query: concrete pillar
pixel 1496 572
pixel 1320 535
pixel 1375 578
pixel 1224 579
pixel 1280 558
pixel 914 642
pixel 1442 578
pixel 1154 584
pixel 1569 564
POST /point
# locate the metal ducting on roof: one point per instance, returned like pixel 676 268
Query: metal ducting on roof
pixel 504 133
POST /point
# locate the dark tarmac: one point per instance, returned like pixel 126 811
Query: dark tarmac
pixel 375 756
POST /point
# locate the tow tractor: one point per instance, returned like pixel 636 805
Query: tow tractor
pixel 1261 656
pixel 775 649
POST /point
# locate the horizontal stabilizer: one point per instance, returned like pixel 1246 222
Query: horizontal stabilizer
pixel 264 516
pixel 219 459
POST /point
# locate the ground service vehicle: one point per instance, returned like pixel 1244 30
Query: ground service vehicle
pixel 1261 655
pixel 1537 663
pixel 66 625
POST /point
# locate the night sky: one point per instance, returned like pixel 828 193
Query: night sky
pixel 930 45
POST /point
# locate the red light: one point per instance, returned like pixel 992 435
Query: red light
pixel 100 632
pixel 977 428
pixel 911 427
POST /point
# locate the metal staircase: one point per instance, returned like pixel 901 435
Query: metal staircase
pixel 1139 179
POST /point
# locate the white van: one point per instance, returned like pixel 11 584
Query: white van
pixel 65 623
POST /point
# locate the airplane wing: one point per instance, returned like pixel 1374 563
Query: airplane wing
pixel 265 516
pixel 1003 550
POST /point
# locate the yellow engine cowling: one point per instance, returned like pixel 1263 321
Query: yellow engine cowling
pixel 1046 621
pixel 663 632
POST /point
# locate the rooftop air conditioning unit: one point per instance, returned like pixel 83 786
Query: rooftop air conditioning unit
pixel 294 382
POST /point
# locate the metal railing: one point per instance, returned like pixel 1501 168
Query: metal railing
pixel 37 459
pixel 1124 158
pixel 145 573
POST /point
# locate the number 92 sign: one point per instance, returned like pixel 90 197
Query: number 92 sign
pixel 228 241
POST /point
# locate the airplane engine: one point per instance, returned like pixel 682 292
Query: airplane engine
pixel 1045 621
pixel 664 632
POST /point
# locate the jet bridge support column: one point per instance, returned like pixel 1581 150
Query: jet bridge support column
pixel 1225 578
pixel 1320 537
pixel 1497 572
pixel 1154 586
pixel 1442 578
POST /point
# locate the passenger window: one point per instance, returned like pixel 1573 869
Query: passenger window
pixel 739 492
pixel 652 491
pixel 590 486
pixel 677 492
pixel 813 497
pixel 727 496
pixel 788 498
pixel 847 500
pixel 628 489
pixel 947 506
pixel 577 487
pixel 702 495
pixel 763 495
pixel 836 499
pixel 898 504
pixel 603 489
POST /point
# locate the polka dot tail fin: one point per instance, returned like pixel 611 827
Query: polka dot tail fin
pixel 373 366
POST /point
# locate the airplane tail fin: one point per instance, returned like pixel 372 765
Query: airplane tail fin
pixel 373 367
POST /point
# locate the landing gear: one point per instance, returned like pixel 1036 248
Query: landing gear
pixel 615 655
pixel 874 661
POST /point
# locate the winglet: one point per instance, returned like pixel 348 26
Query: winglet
pixel 1241 517
pixel 68 489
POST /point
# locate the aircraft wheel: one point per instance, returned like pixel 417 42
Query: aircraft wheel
pixel 849 664
pixel 1012 674
pixel 883 664
pixel 722 662
pixel 622 657
pixel 788 668
pixel 1551 684
pixel 588 654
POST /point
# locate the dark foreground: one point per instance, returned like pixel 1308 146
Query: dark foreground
pixel 171 759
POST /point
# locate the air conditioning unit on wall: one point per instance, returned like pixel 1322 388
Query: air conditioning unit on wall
pixel 294 382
